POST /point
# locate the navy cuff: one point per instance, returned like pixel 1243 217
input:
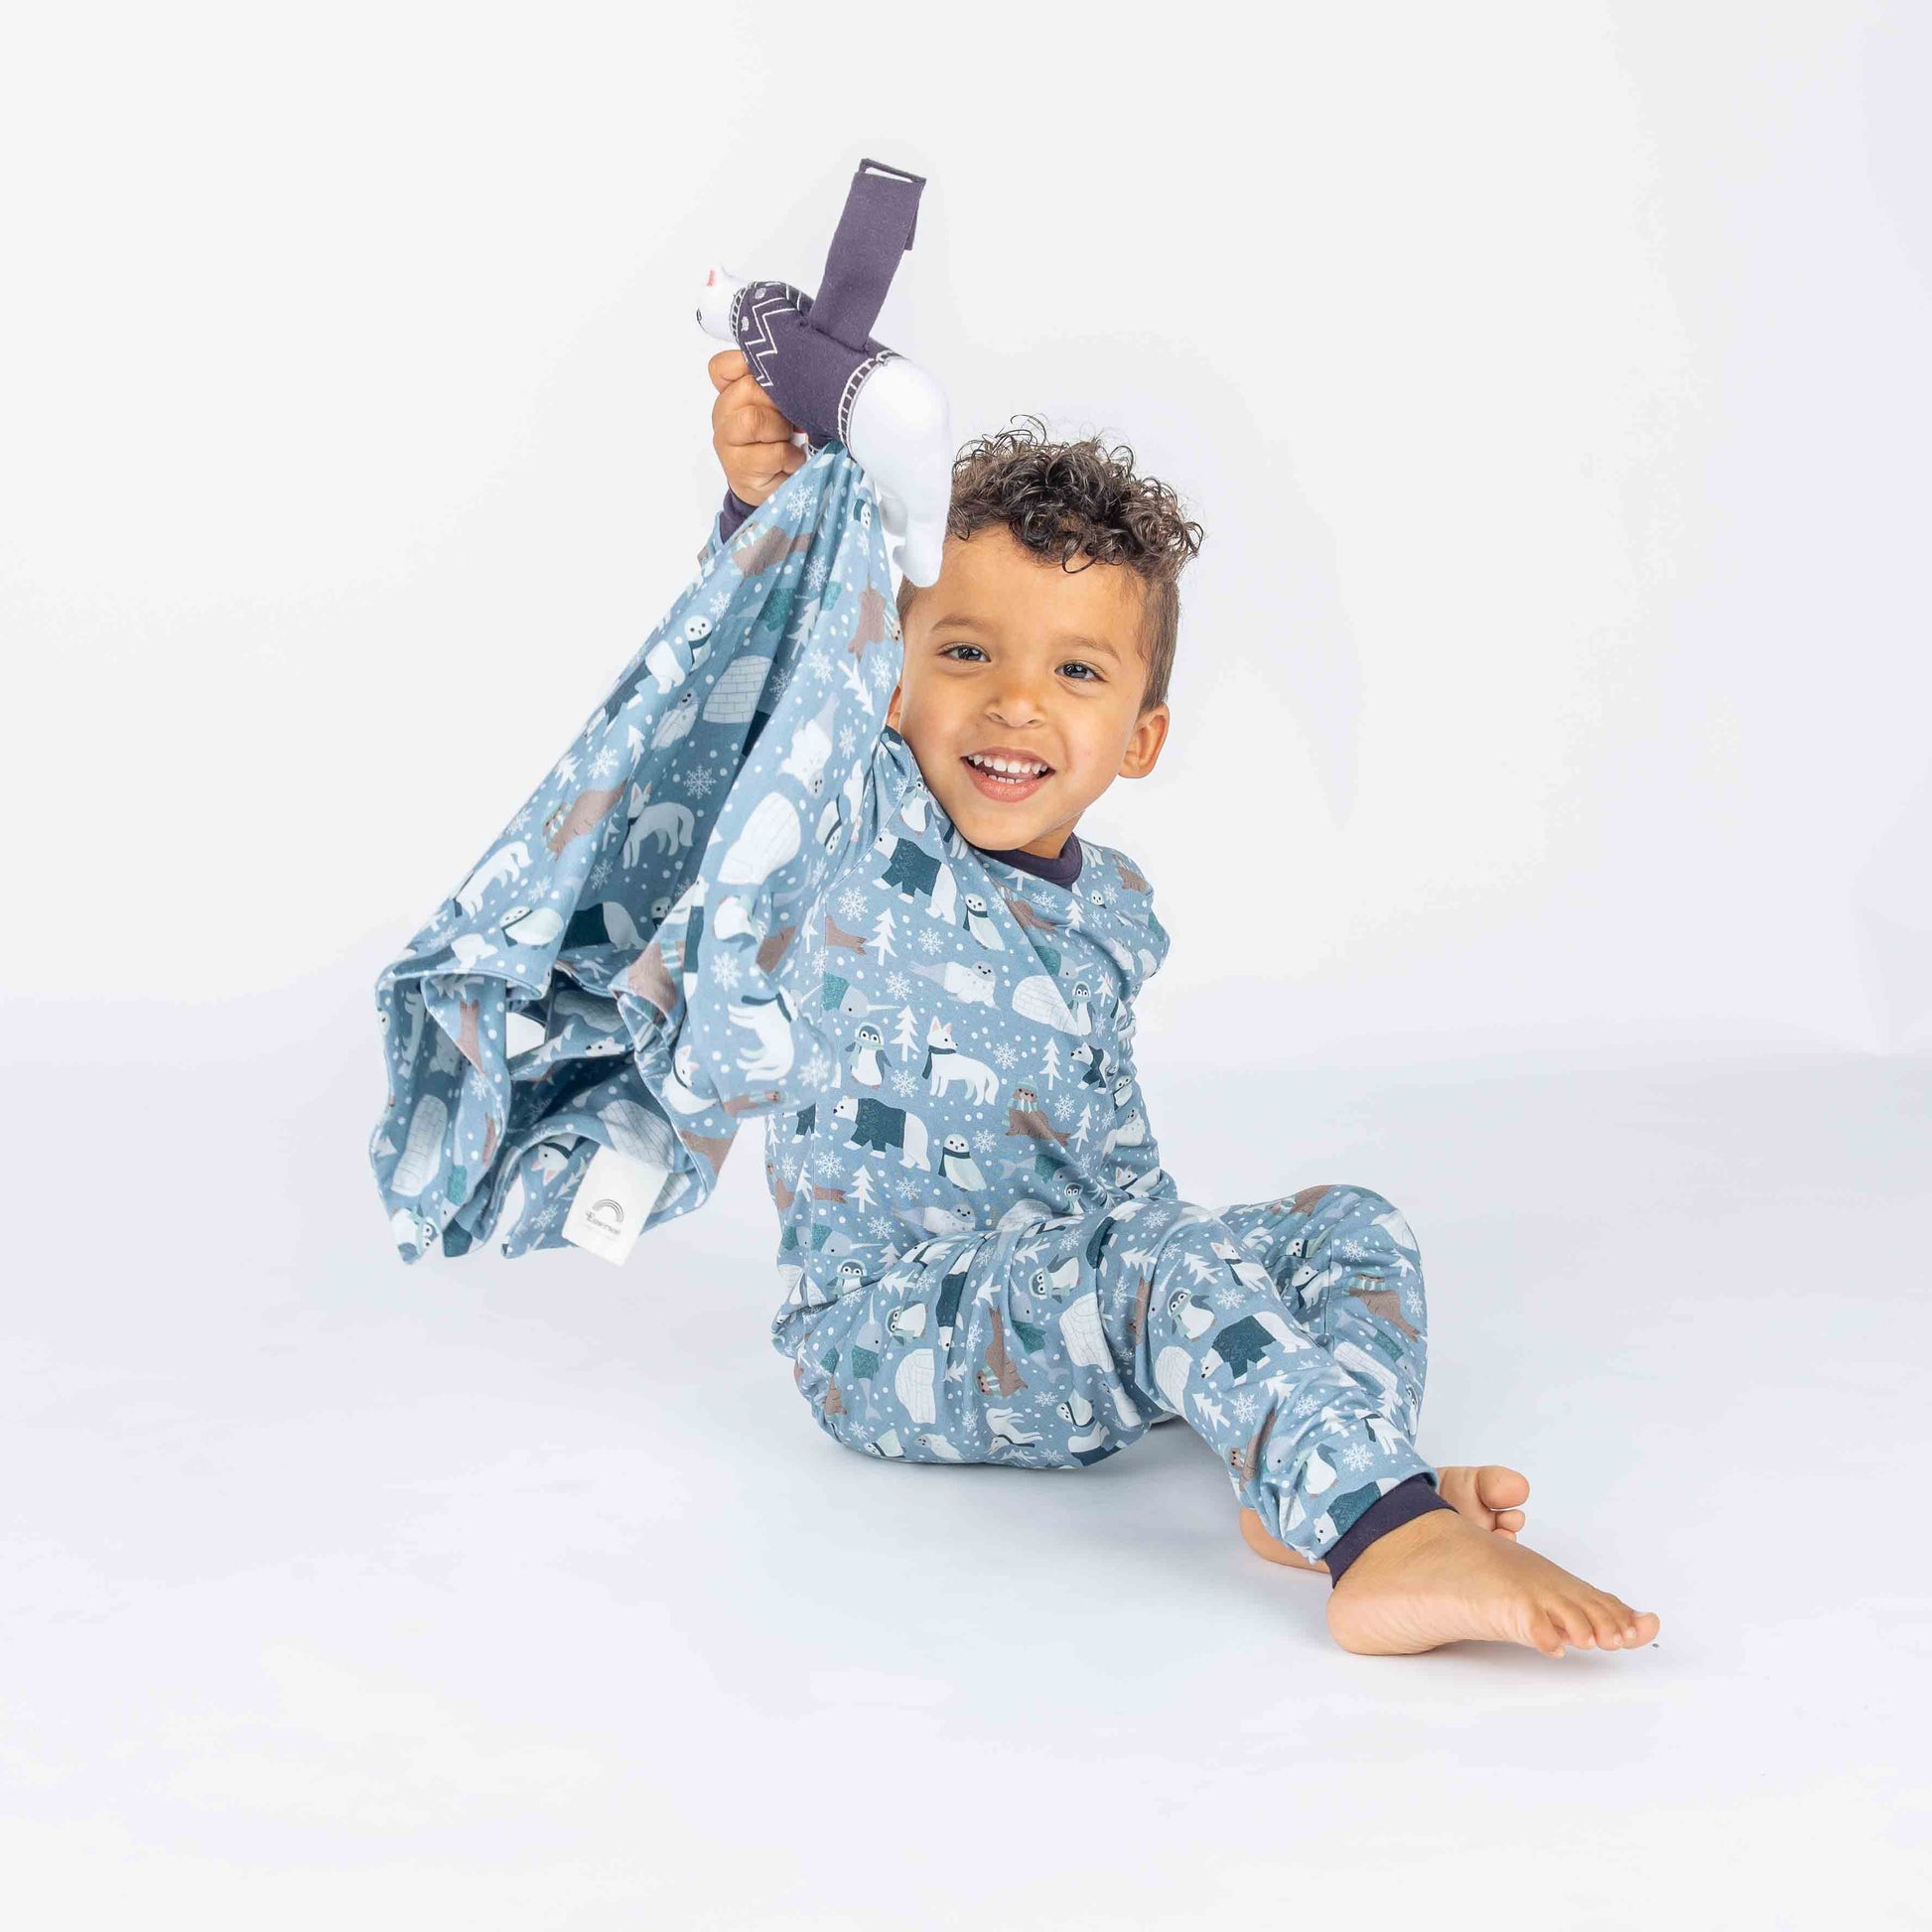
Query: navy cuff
pixel 731 515
pixel 1402 1504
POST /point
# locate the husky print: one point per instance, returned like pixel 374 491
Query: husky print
pixel 734 896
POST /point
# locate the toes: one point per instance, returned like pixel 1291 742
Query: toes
pixel 1607 1624
pixel 1510 1520
pixel 1633 1627
pixel 1574 1621
pixel 1498 1486
pixel 1546 1633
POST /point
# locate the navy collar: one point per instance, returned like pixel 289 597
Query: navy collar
pixel 1062 871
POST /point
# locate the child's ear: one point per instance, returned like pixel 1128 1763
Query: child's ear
pixel 1143 748
pixel 891 710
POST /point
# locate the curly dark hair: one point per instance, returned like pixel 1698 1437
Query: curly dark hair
pixel 1060 499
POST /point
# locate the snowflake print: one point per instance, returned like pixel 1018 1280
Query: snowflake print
pixel 1355 1458
pixel 929 941
pixel 898 984
pixel 605 762
pixel 985 1140
pixel 852 905
pixel 600 875
pixel 1246 1408
pixel 815 573
pixel 830 1164
pixel 724 969
pixel 1006 1055
pixel 820 666
pixel 700 785
pixel 1229 1297
pixel 817 1070
pixel 879 1227
pixel 904 1084
pixel 1308 1405
pixel 848 737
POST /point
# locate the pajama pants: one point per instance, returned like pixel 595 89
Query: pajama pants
pixel 1291 1333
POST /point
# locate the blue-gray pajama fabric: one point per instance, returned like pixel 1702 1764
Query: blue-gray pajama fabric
pixel 734 896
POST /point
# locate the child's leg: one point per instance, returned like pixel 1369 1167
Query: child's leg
pixel 1347 1263
pixel 1056 1346
pixel 1349 1267
pixel 1053 1346
pixel 950 1357
pixel 1259 1334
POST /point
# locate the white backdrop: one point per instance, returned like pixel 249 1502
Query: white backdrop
pixel 1549 787
pixel 1550 384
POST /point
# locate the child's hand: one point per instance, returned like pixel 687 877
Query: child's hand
pixel 751 436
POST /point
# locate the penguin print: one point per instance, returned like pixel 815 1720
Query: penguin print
pixel 1192 1317
pixel 862 1062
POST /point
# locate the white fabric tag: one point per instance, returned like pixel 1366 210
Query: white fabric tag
pixel 613 1202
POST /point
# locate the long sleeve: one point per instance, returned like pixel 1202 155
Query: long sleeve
pixel 724 526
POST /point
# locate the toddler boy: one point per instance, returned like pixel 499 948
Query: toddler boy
pixel 986 1260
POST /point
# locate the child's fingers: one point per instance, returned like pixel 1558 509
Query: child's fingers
pixel 756 483
pixel 744 413
pixel 726 366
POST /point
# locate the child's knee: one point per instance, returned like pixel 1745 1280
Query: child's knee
pixel 1345 1211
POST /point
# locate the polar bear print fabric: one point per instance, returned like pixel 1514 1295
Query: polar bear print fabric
pixel 733 897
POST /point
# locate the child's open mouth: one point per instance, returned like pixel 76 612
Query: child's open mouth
pixel 1007 779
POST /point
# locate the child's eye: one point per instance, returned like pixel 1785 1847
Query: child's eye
pixel 1093 676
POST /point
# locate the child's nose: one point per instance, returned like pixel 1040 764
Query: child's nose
pixel 1021 700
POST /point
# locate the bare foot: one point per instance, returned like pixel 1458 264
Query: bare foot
pixel 1485 1492
pixel 1440 1578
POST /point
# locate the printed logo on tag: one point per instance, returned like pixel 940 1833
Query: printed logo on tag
pixel 613 1200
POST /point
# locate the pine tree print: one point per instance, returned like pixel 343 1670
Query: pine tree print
pixel 1050 1075
pixel 906 1034
pixel 883 930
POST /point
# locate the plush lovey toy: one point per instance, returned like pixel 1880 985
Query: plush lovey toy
pixel 817 362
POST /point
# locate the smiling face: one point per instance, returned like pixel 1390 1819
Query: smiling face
pixel 1011 655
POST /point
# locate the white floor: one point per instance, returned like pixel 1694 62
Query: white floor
pixel 528 1595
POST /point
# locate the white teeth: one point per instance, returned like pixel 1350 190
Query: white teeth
pixel 1007 767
